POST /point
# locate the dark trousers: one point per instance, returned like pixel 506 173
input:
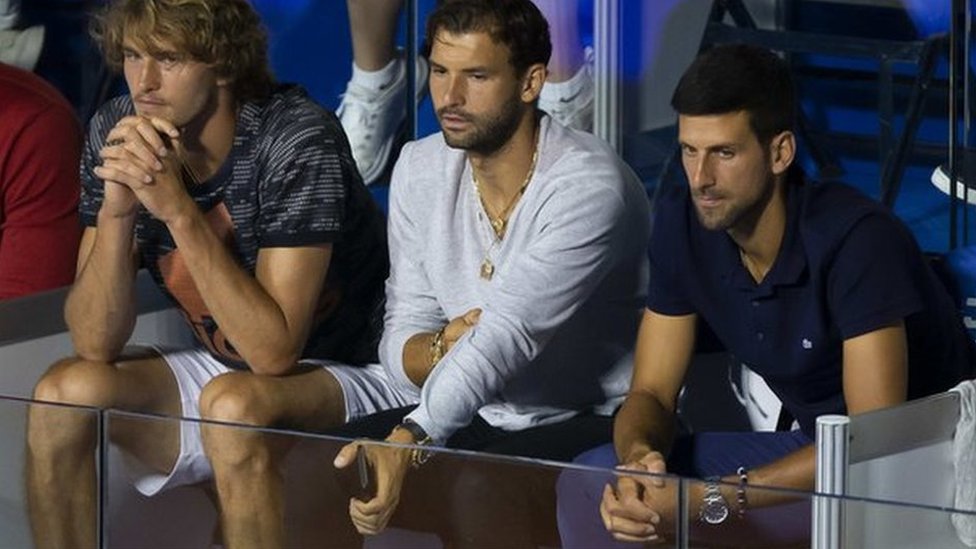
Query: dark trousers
pixel 481 500
pixel 697 456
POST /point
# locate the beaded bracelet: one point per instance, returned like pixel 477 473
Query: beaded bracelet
pixel 740 491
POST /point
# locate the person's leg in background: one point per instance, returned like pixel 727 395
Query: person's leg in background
pixel 568 93
pixel 373 105
pixel 9 13
pixel 18 47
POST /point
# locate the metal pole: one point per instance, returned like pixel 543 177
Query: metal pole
pixel 958 8
pixel 411 58
pixel 683 518
pixel 966 114
pixel 606 68
pixel 833 454
pixel 102 474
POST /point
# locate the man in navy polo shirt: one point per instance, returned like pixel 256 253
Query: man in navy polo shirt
pixel 821 290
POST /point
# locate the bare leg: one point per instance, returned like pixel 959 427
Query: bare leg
pixel 18 47
pixel 373 105
pixel 61 441
pixel 246 461
pixel 569 93
pixel 567 48
pixel 372 24
pixel 9 13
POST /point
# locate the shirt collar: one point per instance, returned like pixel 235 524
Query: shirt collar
pixel 791 261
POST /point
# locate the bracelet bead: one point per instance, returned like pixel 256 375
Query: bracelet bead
pixel 741 499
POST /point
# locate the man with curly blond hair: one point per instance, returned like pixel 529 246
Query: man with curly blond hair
pixel 241 198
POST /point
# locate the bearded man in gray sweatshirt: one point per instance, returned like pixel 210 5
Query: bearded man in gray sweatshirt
pixel 518 273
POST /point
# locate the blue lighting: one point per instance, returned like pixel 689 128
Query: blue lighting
pixel 282 13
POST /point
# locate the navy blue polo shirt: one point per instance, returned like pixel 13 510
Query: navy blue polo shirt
pixel 846 267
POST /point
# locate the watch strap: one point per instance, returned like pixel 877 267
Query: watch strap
pixel 418 456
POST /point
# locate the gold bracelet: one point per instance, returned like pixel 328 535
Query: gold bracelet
pixel 437 348
pixel 418 456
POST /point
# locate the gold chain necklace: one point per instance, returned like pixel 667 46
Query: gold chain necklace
pixel 499 223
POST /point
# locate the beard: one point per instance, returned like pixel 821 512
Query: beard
pixel 742 213
pixel 488 132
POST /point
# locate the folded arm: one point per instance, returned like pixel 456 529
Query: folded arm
pixel 546 283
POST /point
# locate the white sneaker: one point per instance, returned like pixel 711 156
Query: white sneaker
pixel 371 118
pixel 573 109
pixel 21 48
pixel 940 178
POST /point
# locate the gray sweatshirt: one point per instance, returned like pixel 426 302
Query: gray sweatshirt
pixel 559 315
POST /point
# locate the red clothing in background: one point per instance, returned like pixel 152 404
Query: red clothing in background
pixel 40 147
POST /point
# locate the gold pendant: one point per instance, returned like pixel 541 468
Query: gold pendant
pixel 487 269
pixel 498 225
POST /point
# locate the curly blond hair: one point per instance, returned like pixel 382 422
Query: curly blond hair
pixel 227 34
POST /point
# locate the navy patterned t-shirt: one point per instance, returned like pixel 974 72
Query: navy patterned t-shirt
pixel 289 180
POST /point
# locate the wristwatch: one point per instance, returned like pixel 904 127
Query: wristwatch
pixel 418 457
pixel 714 509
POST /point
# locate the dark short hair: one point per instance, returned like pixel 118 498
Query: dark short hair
pixel 225 33
pixel 518 24
pixel 739 77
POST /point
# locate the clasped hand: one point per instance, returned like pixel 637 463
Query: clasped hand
pixel 141 165
pixel 639 508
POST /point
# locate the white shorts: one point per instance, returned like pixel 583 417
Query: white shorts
pixel 365 390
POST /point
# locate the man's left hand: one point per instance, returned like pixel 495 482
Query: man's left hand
pixel 390 465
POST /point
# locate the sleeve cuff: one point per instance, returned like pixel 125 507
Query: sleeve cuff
pixel 438 437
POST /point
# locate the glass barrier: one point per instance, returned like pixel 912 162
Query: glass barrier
pixel 15 482
pixel 873 524
pixel 774 517
pixel 478 500
pixel 753 516
pixel 465 498
pixel 456 497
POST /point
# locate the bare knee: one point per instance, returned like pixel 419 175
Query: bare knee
pixel 79 382
pixel 52 429
pixel 236 397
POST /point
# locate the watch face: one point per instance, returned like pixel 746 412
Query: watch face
pixel 715 511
